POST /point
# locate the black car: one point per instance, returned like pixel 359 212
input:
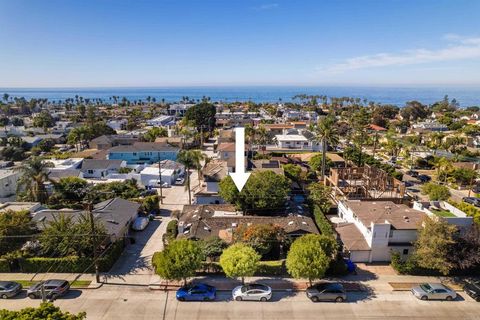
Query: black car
pixel 408 184
pixel 423 178
pixel 412 173
pixel 472 200
pixel 472 288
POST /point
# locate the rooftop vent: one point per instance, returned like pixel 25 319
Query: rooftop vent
pixel 290 223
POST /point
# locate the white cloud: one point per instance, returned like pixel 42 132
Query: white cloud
pixel 267 6
pixel 459 48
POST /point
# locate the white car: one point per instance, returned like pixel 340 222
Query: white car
pixel 140 223
pixel 252 292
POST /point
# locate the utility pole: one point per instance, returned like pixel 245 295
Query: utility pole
pixel 160 177
pixel 94 241
pixel 44 298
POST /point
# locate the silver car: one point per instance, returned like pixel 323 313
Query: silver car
pixel 434 291
pixel 327 291
pixel 252 292
pixel 9 289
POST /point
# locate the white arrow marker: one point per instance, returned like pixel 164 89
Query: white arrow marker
pixel 240 177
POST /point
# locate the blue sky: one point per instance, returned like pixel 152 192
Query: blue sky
pixel 87 43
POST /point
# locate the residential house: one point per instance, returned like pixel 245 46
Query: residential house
pixel 370 230
pixel 143 153
pixel 267 165
pixel 8 182
pixel 170 171
pixel 221 220
pixel 161 121
pixel 117 124
pixel 213 172
pixel 92 168
pixel 31 207
pixel 108 141
pixel 294 139
pixel 115 214
pixel 226 152
pixel 429 126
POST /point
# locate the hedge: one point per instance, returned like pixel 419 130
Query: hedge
pixel 4 265
pixel 265 268
pixel 322 222
pixel 171 233
pixel 72 264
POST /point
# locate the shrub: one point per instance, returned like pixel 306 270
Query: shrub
pixel 337 267
pixel 435 191
pixel 322 222
pixel 4 265
pixel 171 233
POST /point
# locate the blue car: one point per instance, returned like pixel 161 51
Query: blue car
pixel 196 292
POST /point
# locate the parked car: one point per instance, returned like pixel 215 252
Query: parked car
pixel 472 288
pixel 9 289
pixel 180 181
pixel 472 200
pixel 53 289
pixel 423 178
pixel 327 291
pixel 476 188
pixel 253 292
pixel 140 223
pixel 434 291
pixel 197 292
pixel 408 184
pixel 412 173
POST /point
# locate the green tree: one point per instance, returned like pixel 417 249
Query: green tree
pixel 293 171
pixel 43 120
pixel 213 247
pixel 315 162
pixel 239 260
pixel 179 260
pixel 127 189
pixel 61 236
pixel 263 190
pixel 310 256
pixel 13 225
pixel 326 133
pixel 154 133
pixel 33 175
pixel 261 237
pixel 202 115
pixel 44 311
pixel 433 244
pixel 435 191
pixel 68 191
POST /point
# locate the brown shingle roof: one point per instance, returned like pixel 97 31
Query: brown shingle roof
pixel 352 238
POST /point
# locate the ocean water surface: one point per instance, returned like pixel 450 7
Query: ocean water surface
pixel 466 96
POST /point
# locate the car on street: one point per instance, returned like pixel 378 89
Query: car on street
pixel 140 223
pixel 472 200
pixel 472 288
pixel 412 173
pixel 53 289
pixel 327 291
pixel 196 292
pixel 408 184
pixel 149 192
pixel 433 291
pixel 423 178
pixel 476 188
pixel 9 289
pixel 252 292
pixel 180 181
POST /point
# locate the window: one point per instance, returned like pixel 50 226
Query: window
pixel 90 171
pixel 391 233
pixel 134 153
pixel 405 251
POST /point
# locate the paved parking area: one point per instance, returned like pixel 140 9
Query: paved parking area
pixel 133 302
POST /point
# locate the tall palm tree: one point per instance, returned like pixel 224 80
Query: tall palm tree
pixel 33 177
pixel 326 133
pixel 191 159
pixel 262 137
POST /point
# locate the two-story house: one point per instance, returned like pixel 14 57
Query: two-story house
pixel 370 230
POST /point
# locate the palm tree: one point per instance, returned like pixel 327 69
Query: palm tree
pixel 326 133
pixel 33 177
pixel 443 165
pixel 262 137
pixel 191 159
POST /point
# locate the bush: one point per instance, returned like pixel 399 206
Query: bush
pixel 435 192
pixel 265 268
pixel 337 267
pixel 72 264
pixel 322 222
pixel 171 233
pixel 4 265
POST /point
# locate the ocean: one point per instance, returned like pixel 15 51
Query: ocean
pixel 466 96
